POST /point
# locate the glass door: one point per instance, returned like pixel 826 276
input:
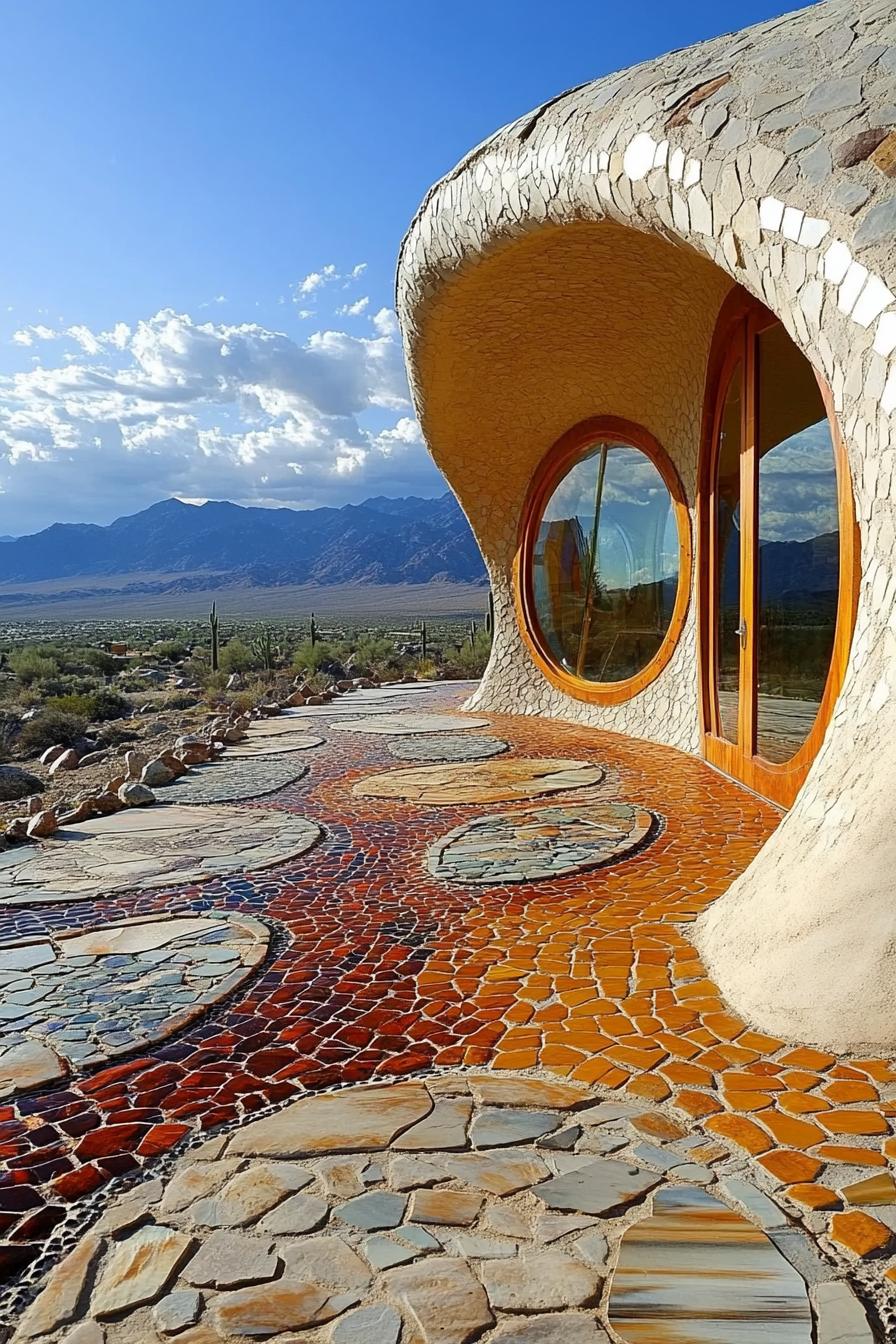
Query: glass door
pixel 778 539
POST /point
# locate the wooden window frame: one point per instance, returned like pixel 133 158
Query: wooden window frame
pixel 740 321
pixel 554 466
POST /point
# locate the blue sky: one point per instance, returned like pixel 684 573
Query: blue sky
pixel 174 171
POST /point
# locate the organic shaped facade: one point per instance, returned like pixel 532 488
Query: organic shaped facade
pixel 652 343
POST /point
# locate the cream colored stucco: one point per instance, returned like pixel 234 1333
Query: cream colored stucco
pixel 564 324
pixel 613 193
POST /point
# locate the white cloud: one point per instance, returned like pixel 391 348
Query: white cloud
pixel 205 409
pixel 353 309
pixel 385 322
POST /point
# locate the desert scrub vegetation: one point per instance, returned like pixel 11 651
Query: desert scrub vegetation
pixel 49 728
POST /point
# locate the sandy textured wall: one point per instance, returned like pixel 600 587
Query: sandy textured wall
pixel 560 325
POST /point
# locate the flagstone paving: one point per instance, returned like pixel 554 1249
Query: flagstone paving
pixel 316 1219
pixel 400 724
pixel 550 842
pixel 153 847
pixel 230 779
pixel 488 782
pixel 383 971
pixel 448 747
pixel 78 999
pixel 267 746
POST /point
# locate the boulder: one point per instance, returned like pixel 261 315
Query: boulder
pixel 233 735
pixel 234 681
pixel 17 829
pixel 34 804
pixel 42 824
pixel 67 761
pixel 156 773
pixel 16 783
pixel 134 794
pixel 174 763
pixel 50 755
pixel 94 758
pixel 105 802
pixel 134 764
pixel 82 811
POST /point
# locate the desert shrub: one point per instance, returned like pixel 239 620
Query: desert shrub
pixel 179 700
pixel 468 661
pixel 30 665
pixel 101 661
pixel 48 728
pixel 425 669
pixel 172 649
pixel 316 657
pixel 98 705
pixel 236 657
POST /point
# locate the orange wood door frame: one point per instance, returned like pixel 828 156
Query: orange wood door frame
pixel 740 322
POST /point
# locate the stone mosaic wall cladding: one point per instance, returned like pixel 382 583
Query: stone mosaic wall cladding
pixel 764 158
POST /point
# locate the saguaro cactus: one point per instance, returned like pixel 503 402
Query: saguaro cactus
pixel 424 645
pixel 263 649
pixel 313 631
pixel 490 615
pixel 472 633
pixel 213 622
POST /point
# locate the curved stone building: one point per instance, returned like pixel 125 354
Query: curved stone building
pixel 651 334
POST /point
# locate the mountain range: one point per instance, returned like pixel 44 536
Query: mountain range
pixel 382 541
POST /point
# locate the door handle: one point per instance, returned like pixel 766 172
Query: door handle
pixel 741 633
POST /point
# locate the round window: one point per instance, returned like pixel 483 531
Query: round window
pixel 606 561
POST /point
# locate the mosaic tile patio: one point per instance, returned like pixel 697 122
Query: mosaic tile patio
pixel 382 971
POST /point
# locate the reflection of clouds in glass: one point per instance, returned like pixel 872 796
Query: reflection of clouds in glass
pixel 798 487
pixel 637 538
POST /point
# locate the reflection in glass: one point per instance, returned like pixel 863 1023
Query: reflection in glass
pixel 799 547
pixel 606 563
pixel 727 525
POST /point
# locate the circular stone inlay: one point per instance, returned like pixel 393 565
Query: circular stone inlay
pixel 488 782
pixel 410 723
pixel 75 999
pixel 532 846
pixel 448 747
pixel 227 781
pixel 163 846
pixel 272 745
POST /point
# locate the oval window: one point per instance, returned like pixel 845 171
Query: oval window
pixel 606 555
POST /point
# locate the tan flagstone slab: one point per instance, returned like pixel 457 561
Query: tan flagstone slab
pixel 360 1119
pixel 496 781
pixel 160 846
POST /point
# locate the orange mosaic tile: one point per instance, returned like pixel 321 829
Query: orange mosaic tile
pixel 787 1166
pixel 860 1233
pixel 813 1196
